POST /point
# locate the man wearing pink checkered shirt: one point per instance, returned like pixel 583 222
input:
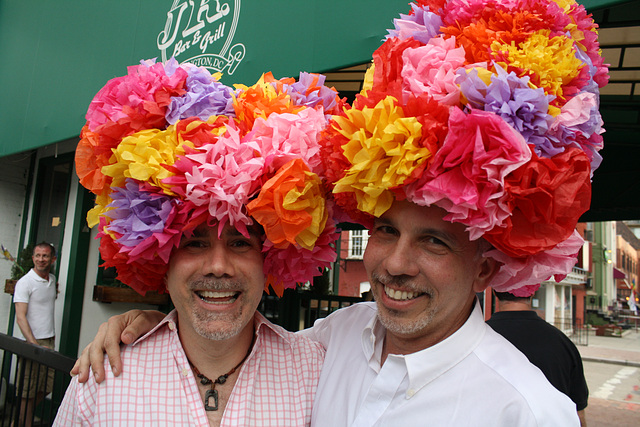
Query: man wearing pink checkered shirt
pixel 202 194
pixel 214 333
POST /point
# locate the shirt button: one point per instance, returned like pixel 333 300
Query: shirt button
pixel 185 372
pixel 172 326
pixel 411 392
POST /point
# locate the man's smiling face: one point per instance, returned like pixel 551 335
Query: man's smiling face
pixel 424 272
pixel 216 283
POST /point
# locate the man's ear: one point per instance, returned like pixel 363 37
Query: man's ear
pixel 486 270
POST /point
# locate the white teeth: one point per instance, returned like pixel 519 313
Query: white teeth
pixel 399 295
pixel 212 294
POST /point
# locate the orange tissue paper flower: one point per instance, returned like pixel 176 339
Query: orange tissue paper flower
pixel 291 207
pixel 89 162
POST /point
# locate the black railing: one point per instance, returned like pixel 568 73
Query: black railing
pixel 43 365
pixel 298 310
pixel 574 329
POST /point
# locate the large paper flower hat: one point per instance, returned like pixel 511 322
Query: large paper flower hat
pixel 168 147
pixel 489 110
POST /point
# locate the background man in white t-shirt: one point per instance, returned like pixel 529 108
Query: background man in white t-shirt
pixel 34 297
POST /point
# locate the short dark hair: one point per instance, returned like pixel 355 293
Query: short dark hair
pixel 507 296
pixel 45 245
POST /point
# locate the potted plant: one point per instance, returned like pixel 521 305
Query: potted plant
pixel 111 290
pixel 111 293
pixel 20 266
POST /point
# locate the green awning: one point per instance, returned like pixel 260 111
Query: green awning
pixel 56 54
pixel 592 5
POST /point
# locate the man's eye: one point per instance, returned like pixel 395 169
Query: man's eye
pixel 436 241
pixel 435 244
pixel 192 244
pixel 241 243
pixel 385 229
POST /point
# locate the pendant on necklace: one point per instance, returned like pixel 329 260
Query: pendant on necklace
pixel 211 394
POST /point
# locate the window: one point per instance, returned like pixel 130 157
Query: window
pixel 357 243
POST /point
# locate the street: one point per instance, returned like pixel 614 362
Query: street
pixel 613 382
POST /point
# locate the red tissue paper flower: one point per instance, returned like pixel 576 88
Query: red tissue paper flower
pixel 548 197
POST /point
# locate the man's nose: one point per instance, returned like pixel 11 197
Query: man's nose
pixel 400 259
pixel 217 262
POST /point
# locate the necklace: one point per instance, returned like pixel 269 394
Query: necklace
pixel 212 393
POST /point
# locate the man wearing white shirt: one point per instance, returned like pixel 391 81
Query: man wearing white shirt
pixel 422 353
pixel 34 298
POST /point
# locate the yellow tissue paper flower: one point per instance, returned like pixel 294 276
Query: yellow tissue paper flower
pixel 141 156
pixel 551 60
pixel 367 84
pixel 565 4
pixel 94 214
pixel 311 201
pixel 383 149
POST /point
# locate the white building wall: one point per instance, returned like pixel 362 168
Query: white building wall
pixel 549 302
pixel 95 313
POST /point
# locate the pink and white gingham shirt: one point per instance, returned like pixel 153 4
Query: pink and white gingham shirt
pixel 275 387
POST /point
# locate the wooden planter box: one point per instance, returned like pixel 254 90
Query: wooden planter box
pixel 114 294
pixel 10 286
pixel 609 331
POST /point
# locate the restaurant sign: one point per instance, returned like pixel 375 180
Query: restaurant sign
pixel 202 34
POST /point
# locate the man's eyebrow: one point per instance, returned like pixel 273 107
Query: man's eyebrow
pixel 233 232
pixel 200 232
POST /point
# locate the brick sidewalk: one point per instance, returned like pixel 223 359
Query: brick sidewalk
pixel 609 413
pixel 624 350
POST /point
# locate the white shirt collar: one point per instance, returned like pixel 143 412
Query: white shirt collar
pixel 35 276
pixel 426 365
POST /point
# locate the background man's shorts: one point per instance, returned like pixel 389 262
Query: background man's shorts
pixel 35 375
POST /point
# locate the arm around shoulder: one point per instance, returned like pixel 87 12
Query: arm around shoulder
pixel 357 315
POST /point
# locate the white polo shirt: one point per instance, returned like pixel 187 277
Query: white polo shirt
pixel 473 378
pixel 40 294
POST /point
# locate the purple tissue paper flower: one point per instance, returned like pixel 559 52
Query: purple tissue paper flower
pixel 422 25
pixel 137 214
pixel 205 97
pixel 510 97
pixel 324 96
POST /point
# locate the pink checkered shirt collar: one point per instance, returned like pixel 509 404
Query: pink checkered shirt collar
pixel 277 383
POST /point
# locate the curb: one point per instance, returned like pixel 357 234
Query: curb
pixel 611 361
